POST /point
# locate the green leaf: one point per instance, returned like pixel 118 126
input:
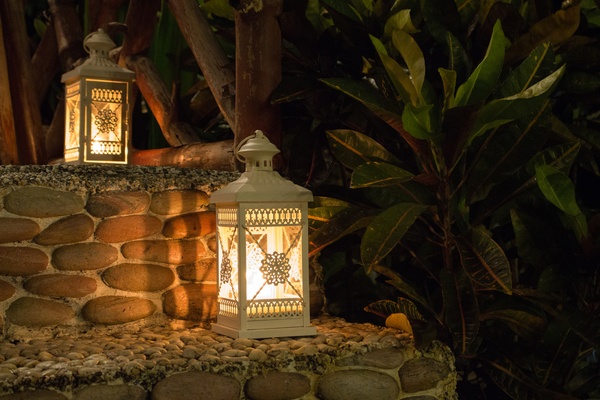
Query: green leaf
pixel 539 64
pixel 353 148
pixel 557 188
pixel 364 92
pixel 523 323
pixel 385 308
pixel 500 111
pixel 404 287
pixel 342 7
pixel 343 223
pixel 449 81
pixel 557 28
pixel 461 309
pixel 443 22
pixel 555 353
pixel 484 261
pixel 480 84
pixel 400 20
pixel 400 79
pixel 413 57
pixel 386 230
pixel 507 149
pixel 378 174
pixel 510 378
pixel 421 122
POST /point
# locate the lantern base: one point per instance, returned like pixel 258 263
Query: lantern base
pixel 264 333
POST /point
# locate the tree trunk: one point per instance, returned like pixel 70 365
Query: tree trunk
pixel 25 104
pixel 102 13
pixel 9 153
pixel 45 62
pixel 141 23
pixel 69 34
pixel 163 107
pixel 216 156
pixel 209 54
pixel 258 68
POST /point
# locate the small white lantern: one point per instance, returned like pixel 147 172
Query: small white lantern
pixel 262 241
pixel 97 97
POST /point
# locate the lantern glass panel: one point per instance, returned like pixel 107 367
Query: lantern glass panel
pixel 73 122
pixel 107 125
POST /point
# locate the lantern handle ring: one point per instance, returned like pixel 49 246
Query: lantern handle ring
pixel 239 146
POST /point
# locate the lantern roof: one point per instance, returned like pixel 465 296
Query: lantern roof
pixel 260 182
pixel 99 65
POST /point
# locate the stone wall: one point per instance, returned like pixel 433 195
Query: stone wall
pixel 108 279
pixel 343 361
pixel 84 246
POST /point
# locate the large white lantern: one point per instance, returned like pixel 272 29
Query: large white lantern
pixel 262 241
pixel 97 95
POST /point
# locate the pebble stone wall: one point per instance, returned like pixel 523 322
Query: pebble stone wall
pixel 127 255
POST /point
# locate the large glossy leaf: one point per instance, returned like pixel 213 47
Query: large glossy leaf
pixel 364 92
pixel 539 64
pixel 413 57
pixel 386 230
pixel 421 122
pixel 343 223
pixel 449 81
pixel 400 79
pixel 500 111
pixel 555 353
pixel 444 24
pixel 533 243
pixel 378 174
pixel 343 7
pixel 556 29
pixel 353 148
pixel 390 112
pixel 507 375
pixel 461 309
pixel 484 261
pixel 586 328
pixel 507 149
pixel 403 286
pixel 561 156
pixel 557 188
pixel 482 81
pixel 385 308
pixel 525 324
pixel 399 20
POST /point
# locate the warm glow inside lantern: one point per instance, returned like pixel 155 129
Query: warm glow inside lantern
pixel 97 97
pixel 262 242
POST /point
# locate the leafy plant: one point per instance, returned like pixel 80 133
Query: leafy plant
pixel 476 217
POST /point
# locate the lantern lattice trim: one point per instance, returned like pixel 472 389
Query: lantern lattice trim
pixel 262 250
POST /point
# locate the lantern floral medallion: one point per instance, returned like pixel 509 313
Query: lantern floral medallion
pixel 97 97
pixel 262 248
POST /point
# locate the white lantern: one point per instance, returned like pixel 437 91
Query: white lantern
pixel 97 95
pixel 262 241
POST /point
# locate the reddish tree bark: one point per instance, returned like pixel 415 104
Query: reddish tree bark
pixel 69 34
pixel 258 68
pixel 161 103
pixel 102 13
pixel 141 23
pixel 209 54
pixel 25 104
pixel 217 156
pixel 45 61
pixel 9 153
